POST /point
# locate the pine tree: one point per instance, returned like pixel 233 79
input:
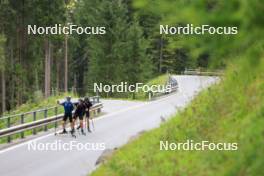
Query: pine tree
pixel 137 61
pixel 108 51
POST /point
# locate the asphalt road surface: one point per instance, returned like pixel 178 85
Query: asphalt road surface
pixel 120 121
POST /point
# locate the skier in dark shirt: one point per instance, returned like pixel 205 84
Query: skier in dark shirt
pixel 79 113
pixel 88 105
pixel 68 108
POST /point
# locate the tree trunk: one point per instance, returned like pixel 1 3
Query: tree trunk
pixel 36 80
pixel 160 54
pixel 18 75
pixel 47 67
pixel 66 64
pixel 75 84
pixel 3 91
pixel 12 92
pixel 50 65
pixel 57 76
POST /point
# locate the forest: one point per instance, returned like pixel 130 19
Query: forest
pixel 132 49
pixel 35 66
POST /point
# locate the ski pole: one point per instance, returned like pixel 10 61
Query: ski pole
pixel 93 123
pixel 56 115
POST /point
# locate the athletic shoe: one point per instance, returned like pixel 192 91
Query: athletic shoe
pixel 83 133
pixel 64 132
pixel 72 131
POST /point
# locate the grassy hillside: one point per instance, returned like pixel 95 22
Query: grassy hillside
pixel 232 111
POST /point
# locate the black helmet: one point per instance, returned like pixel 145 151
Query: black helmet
pixel 86 99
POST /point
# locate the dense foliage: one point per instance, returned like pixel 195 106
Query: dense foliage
pixel 132 49
pixel 44 65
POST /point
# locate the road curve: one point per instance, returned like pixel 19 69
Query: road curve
pixel 121 120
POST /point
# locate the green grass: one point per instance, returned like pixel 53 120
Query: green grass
pixel 232 111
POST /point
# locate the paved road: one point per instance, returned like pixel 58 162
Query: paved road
pixel 122 120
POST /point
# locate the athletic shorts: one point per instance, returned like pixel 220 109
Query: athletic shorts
pixel 66 116
pixel 78 115
pixel 87 114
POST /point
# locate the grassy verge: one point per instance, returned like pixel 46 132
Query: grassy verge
pixel 232 111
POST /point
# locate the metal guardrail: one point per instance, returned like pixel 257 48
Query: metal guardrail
pixel 173 88
pixel 201 72
pixel 14 128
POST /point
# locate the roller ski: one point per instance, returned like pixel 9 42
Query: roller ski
pixel 82 132
pixel 61 133
pixel 73 133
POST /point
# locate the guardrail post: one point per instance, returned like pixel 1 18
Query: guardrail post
pixel 149 95
pixel 22 122
pixel 8 126
pixel 34 119
pixel 98 100
pixel 56 114
pixel 45 116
